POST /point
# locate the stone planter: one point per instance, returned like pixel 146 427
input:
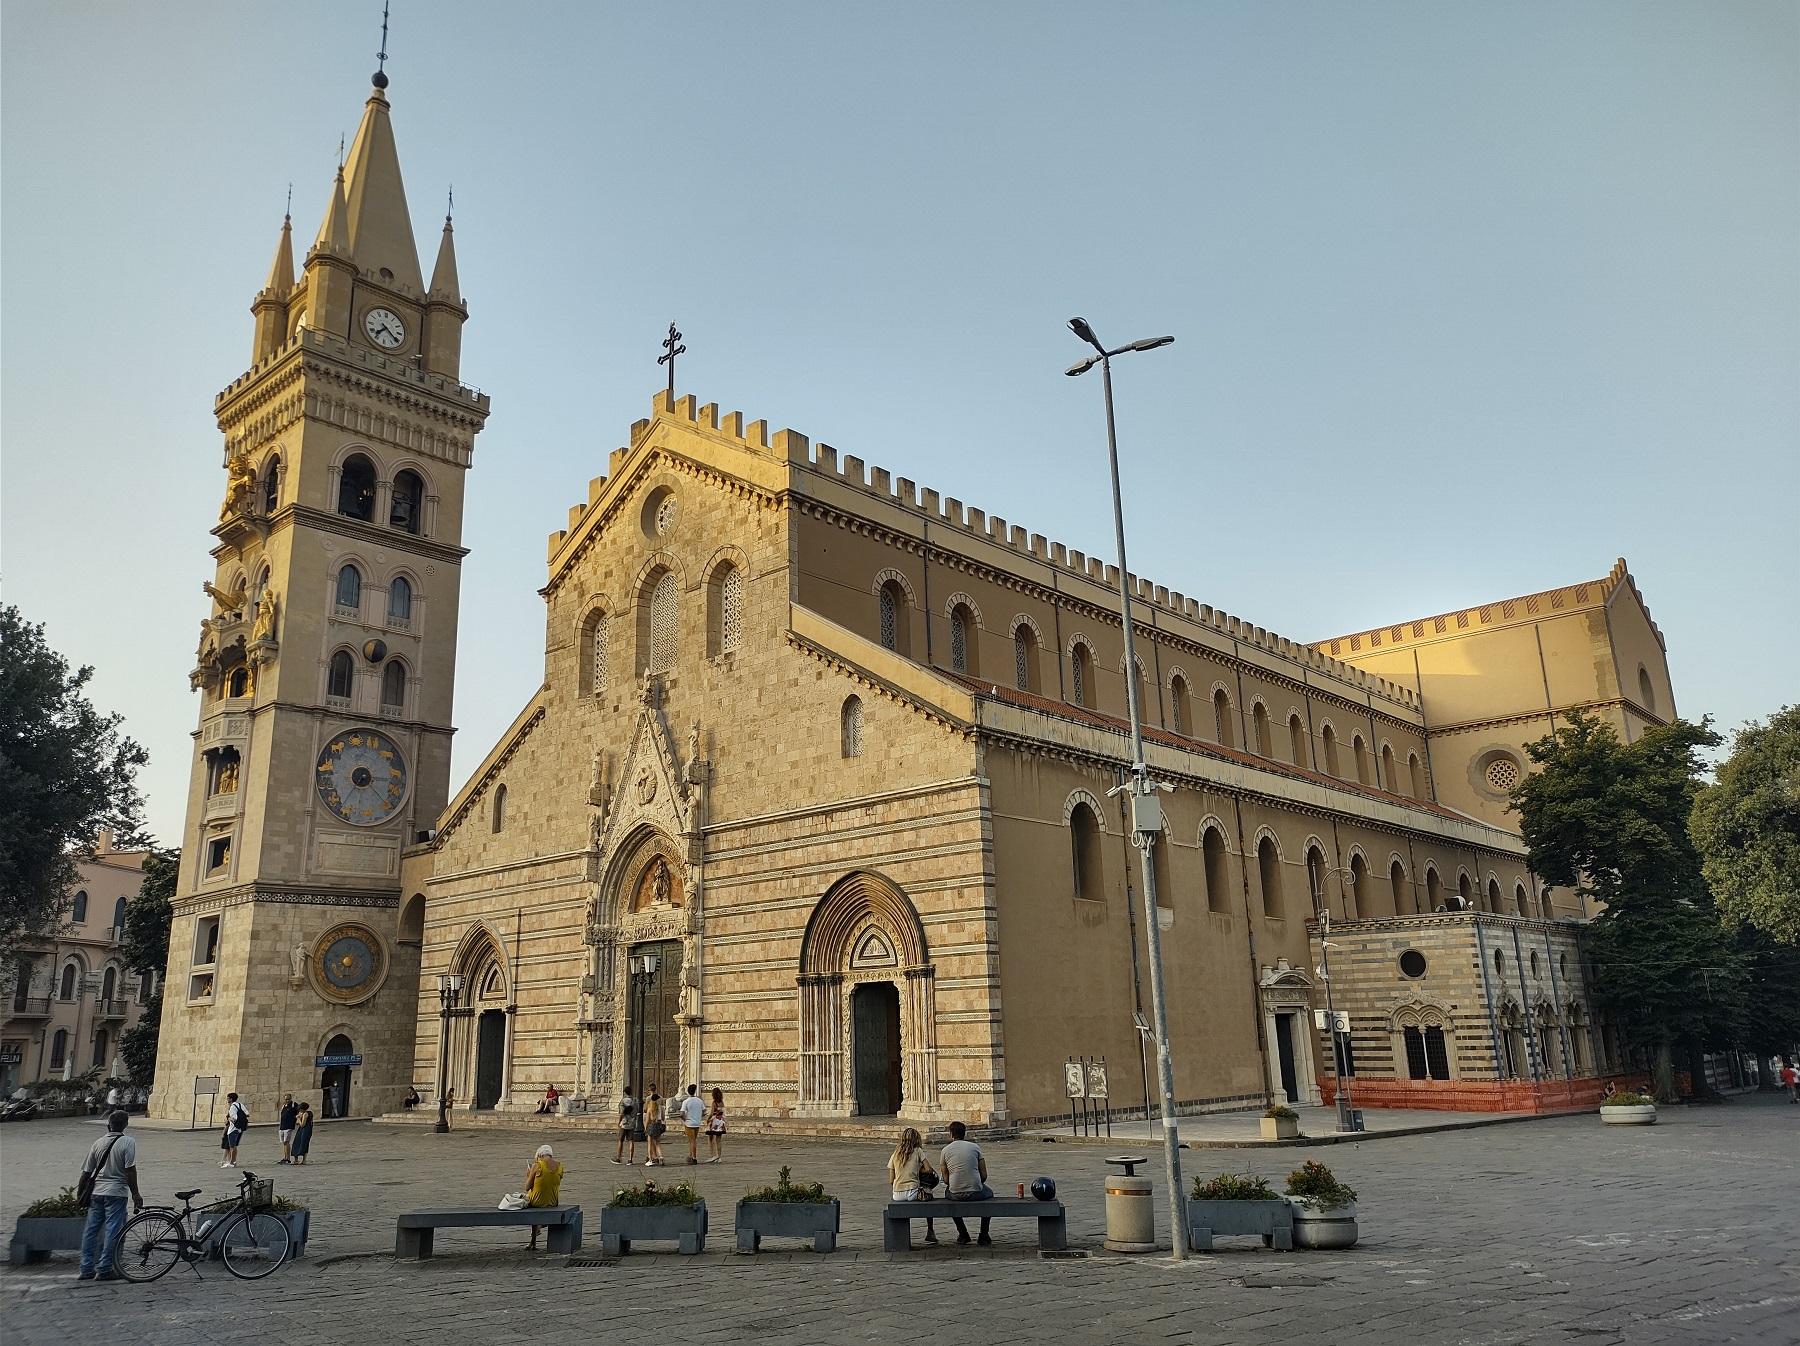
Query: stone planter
pixel 1317 1226
pixel 34 1239
pixel 1637 1114
pixel 1273 1220
pixel 210 1229
pixel 1280 1128
pixel 621 1226
pixel 815 1220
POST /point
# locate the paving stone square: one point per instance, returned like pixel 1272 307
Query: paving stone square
pixel 1551 1230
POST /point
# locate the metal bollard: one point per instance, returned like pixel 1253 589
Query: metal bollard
pixel 1130 1210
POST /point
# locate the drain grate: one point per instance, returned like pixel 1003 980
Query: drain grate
pixel 1281 1280
pixel 1061 1254
pixel 592 1262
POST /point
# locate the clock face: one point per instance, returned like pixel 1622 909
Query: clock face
pixel 349 963
pixel 362 777
pixel 384 328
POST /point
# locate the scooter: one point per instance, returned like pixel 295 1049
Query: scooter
pixel 20 1110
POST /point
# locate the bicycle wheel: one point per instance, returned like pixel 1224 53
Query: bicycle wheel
pixel 254 1244
pixel 149 1245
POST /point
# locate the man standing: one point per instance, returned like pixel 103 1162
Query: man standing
pixel 113 1162
pixel 286 1126
pixel 965 1178
pixel 693 1117
pixel 237 1118
pixel 1791 1078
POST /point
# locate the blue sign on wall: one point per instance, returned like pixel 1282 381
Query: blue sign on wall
pixel 323 1062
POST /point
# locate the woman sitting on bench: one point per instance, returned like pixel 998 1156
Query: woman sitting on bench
pixel 911 1175
pixel 543 1185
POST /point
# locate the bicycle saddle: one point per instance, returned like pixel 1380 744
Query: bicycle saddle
pixel 183 1196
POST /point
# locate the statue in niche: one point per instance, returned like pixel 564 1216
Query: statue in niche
pixel 297 960
pixel 597 782
pixel 264 629
pixel 239 479
pixel 228 777
pixel 656 886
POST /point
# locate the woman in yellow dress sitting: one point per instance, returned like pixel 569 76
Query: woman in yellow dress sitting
pixel 543 1185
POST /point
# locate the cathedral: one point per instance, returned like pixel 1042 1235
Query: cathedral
pixel 816 801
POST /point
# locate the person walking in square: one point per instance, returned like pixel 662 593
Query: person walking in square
pixel 303 1129
pixel 1791 1077
pixel 907 1175
pixel 113 1162
pixel 628 1122
pixel 286 1127
pixel 653 1129
pixel 715 1127
pixel 965 1178
pixel 693 1117
pixel 237 1120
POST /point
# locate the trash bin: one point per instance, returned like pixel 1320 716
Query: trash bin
pixel 1130 1209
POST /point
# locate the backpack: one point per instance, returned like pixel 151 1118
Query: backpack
pixel 240 1115
pixel 84 1187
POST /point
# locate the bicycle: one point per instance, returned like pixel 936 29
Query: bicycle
pixel 251 1241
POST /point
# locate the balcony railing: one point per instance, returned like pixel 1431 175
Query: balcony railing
pixel 111 1009
pixel 31 1007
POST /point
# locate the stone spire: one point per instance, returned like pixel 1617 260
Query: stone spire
pixel 334 233
pixel 443 275
pixel 281 270
pixel 380 229
pixel 270 306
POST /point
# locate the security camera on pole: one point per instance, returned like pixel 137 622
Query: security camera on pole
pixel 1146 808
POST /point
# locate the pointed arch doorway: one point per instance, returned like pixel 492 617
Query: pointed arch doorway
pixel 875 1048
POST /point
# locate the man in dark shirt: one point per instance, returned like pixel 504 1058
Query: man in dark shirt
pixel 286 1126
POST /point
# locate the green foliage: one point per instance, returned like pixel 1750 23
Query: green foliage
pixel 1231 1187
pixel 60 1206
pixel 1283 1113
pixel 1319 1184
pixel 1610 820
pixel 681 1194
pixel 1771 1024
pixel 59 1093
pixel 1747 827
pixel 148 917
pixel 138 1044
pixel 65 772
pixel 1625 1098
pixel 802 1193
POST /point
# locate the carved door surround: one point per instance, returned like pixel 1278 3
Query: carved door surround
pixel 1287 990
pixel 864 929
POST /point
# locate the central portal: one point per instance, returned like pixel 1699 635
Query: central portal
pixel 875 1048
pixel 653 1035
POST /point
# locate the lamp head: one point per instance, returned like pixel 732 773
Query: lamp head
pixel 1151 343
pixel 1079 326
pixel 1082 366
pixel 651 961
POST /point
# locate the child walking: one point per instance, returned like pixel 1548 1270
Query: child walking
pixel 715 1127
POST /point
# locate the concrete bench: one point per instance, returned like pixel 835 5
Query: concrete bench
pixel 896 1220
pixel 413 1230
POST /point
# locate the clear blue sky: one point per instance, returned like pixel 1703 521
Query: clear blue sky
pixel 1469 299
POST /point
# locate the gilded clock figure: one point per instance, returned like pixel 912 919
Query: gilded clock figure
pixel 362 777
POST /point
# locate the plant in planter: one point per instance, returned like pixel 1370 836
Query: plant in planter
pixel 50 1224
pixel 789 1209
pixel 1324 1208
pixel 1628 1109
pixel 1230 1204
pixel 676 1213
pixel 1280 1123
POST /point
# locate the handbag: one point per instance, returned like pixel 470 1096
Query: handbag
pixel 513 1201
pixel 928 1180
pixel 657 1128
pixel 84 1186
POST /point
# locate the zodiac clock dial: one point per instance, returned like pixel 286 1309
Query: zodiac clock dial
pixel 362 777
pixel 349 963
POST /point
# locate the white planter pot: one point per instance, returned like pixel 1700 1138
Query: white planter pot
pixel 1280 1128
pixel 1315 1227
pixel 1637 1114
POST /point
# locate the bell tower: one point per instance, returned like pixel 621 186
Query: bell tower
pixel 326 664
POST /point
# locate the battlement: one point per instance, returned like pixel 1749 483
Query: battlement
pixel 1527 607
pixel 393 367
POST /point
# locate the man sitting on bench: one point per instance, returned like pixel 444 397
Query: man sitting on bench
pixel 965 1177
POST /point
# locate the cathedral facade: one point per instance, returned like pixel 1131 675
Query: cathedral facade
pixel 814 803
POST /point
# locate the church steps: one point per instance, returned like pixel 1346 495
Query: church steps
pixel 883 1130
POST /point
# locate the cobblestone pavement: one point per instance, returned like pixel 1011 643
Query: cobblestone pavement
pixel 1557 1230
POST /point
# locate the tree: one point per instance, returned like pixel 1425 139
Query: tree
pixel 1609 819
pixel 65 772
pixel 145 944
pixel 1747 827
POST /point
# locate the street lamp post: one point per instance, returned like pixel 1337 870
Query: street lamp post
pixel 1146 808
pixel 449 988
pixel 1346 1114
pixel 643 972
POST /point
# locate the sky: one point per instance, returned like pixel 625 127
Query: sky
pixel 1468 299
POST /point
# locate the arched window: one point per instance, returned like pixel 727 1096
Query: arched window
pixel 1388 781
pixel 411 929
pixel 1159 872
pixel 78 913
pixel 1493 896
pixel 66 991
pixel 1025 658
pixel 237 683
pixel 406 510
pixel 1297 740
pixel 1259 720
pixel 1397 882
pixel 1084 838
pixel 851 726
pixel 598 636
pixel 101 1042
pixel 119 917
pixel 1329 739
pixel 109 983
pixel 393 686
pixel 1520 900
pixel 500 806
pixel 1359 754
pixel 662 623
pixel 349 588
pixel 1181 711
pixel 1356 903
pixel 1549 906
pixel 896 618
pixel 342 677
pixel 1212 851
pixel 1222 719
pixel 1268 868
pixel 59 1049
pixel 1082 675
pixel 1465 891
pixel 731 610
pixel 399 600
pixel 1646 690
pixel 962 640
pixel 356 488
pixel 1434 890
pixel 271 485
pixel 1315 878
pixel 1416 772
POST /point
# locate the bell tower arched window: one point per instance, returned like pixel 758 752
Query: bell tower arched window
pixel 400 596
pixel 356 488
pixel 406 509
pixel 349 588
pixel 393 686
pixel 271 486
pixel 342 677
